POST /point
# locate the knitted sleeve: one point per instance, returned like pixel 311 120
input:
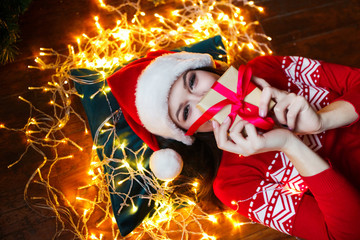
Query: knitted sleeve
pixel 267 194
pixel 333 212
pixel 319 82
pixel 344 80
pixel 278 197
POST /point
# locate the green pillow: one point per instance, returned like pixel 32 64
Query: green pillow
pixel 101 107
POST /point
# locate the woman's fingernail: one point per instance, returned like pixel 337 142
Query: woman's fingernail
pixel 262 113
pixel 227 119
pixel 213 124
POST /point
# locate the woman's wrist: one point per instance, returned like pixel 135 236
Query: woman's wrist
pixel 291 142
pixel 305 160
pixel 324 123
pixel 337 114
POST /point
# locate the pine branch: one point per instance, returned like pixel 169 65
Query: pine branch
pixel 10 12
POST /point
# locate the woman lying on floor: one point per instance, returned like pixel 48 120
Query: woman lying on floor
pixel 301 178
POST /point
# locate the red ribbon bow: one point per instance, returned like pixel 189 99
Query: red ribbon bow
pixel 245 110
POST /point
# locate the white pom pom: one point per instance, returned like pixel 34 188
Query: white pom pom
pixel 166 164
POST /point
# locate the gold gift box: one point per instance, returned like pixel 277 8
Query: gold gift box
pixel 230 80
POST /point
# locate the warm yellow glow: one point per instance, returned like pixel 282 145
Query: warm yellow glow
pixel 250 46
pixel 107 124
pixel 134 209
pixel 122 146
pixel 206 236
pixel 104 50
pixel 175 13
pixel 237 224
pixel 102 4
pixel 107 89
pixel 122 34
pixel 93 237
pixel 125 164
pixel 120 182
pixel 229 215
pixel 140 167
pixel 212 218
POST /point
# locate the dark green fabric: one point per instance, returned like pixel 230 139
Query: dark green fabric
pixel 102 107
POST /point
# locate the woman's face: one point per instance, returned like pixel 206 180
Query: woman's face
pixel 186 92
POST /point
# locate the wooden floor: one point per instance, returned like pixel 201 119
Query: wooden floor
pixel 322 29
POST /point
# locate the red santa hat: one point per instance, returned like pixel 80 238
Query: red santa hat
pixel 142 89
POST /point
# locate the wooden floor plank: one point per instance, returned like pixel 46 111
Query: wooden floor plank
pixel 321 29
pixel 322 46
pixel 277 9
pixel 312 22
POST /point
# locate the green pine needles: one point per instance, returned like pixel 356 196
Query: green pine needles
pixel 10 11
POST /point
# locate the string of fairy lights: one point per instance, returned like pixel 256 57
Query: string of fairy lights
pixel 131 37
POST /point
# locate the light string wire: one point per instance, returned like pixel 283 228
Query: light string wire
pixel 158 28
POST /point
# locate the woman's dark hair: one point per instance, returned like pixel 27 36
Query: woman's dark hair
pixel 217 71
pixel 201 161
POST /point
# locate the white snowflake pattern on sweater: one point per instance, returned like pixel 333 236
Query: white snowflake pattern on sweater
pixel 280 198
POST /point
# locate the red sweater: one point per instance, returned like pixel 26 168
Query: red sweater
pixel 269 190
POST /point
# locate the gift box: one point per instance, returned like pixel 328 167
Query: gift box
pixel 244 108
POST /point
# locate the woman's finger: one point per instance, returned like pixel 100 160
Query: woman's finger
pixel 246 144
pixel 269 93
pixel 216 130
pixel 282 107
pixel 256 141
pixel 266 95
pixel 223 141
pixel 236 132
pixel 292 114
pixel 265 99
pixel 251 131
pixel 280 111
pixel 262 83
pixel 221 133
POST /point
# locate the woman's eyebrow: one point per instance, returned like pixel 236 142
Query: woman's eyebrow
pixel 184 78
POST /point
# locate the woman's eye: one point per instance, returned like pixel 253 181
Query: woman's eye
pixel 192 81
pixel 186 112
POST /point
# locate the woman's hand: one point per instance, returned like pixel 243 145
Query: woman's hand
pixel 291 110
pixel 306 161
pixel 234 141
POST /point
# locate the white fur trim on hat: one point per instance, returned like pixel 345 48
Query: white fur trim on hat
pixel 153 89
pixel 166 164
